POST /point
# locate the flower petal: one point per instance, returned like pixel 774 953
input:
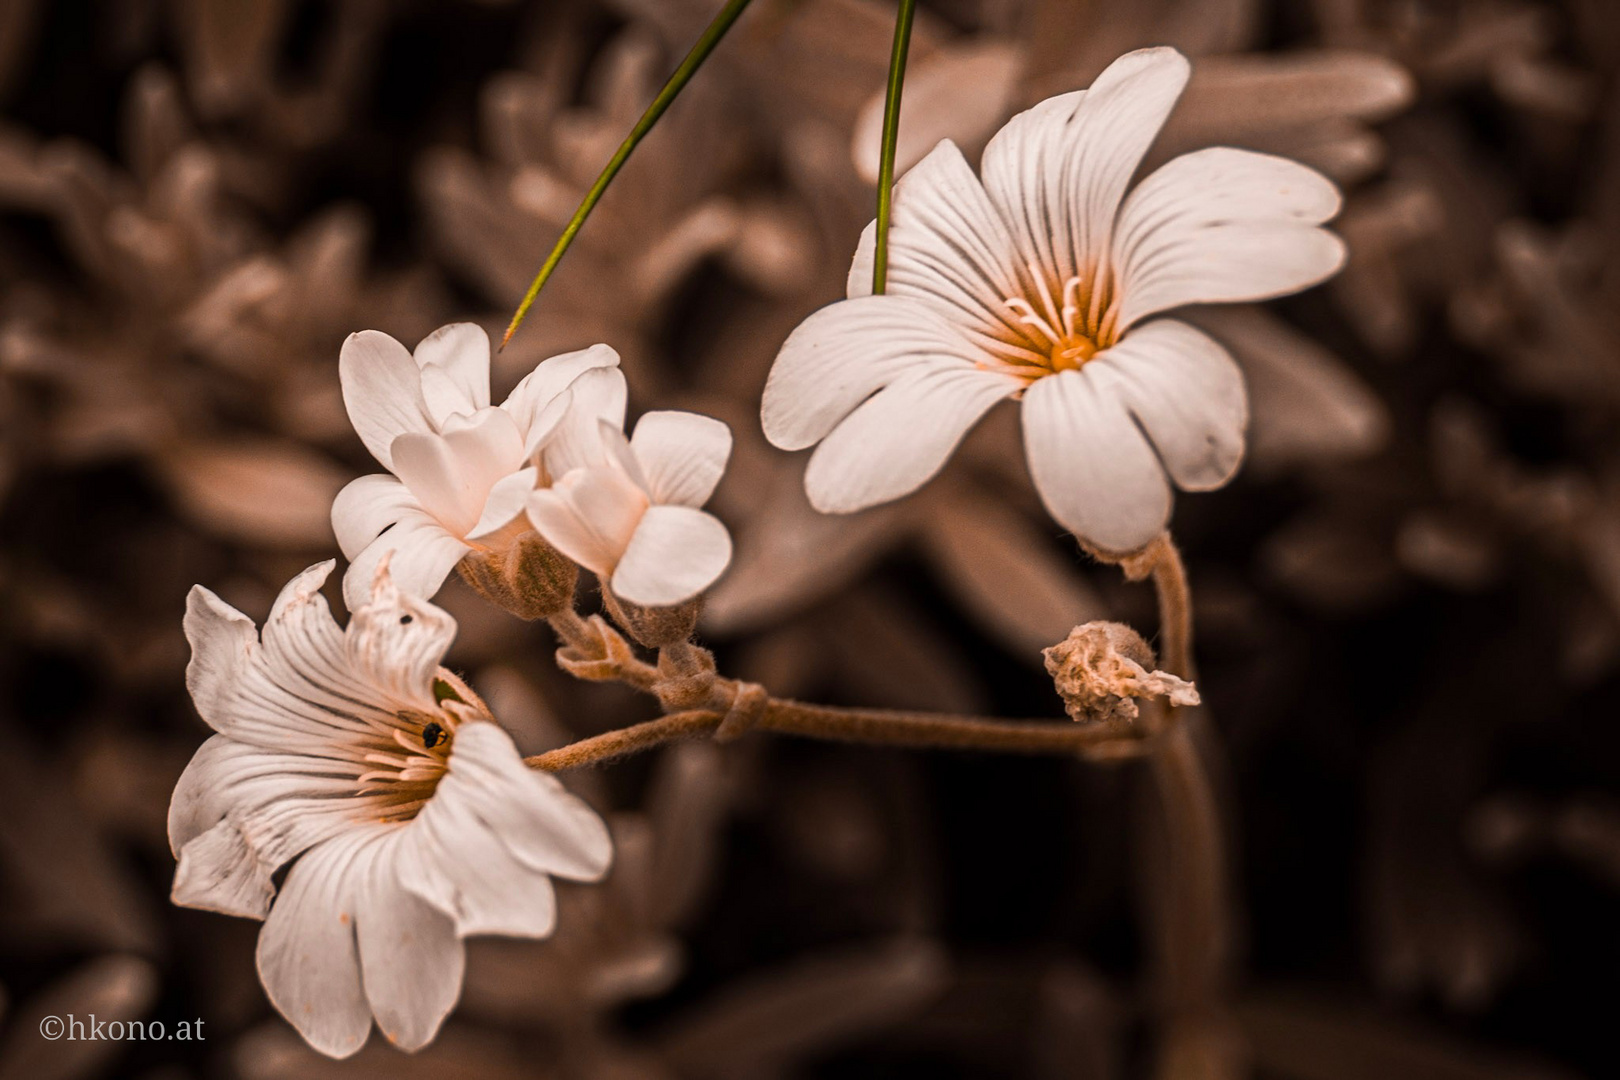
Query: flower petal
pixel 307 957
pixel 365 507
pixel 898 439
pixel 222 639
pixel 506 501
pixel 1187 393
pixel 845 352
pixel 540 822
pixel 240 813
pixel 411 960
pixel 595 397
pixel 382 390
pixel 528 401
pixel 1091 464
pixel 451 474
pixel 424 553
pixel 294 693
pixel 948 246
pixel 1059 180
pixel 1223 225
pixel 676 553
pixel 454 362
pixel 396 642
pixel 1022 168
pixel 451 859
pixel 589 515
pixel 683 455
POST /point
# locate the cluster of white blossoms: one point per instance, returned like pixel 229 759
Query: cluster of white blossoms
pixel 402 817
pixel 1038 282
pixel 469 477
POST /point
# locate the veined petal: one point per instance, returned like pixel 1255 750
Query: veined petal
pixel 219 871
pixel 411 959
pixel 1059 180
pixel 454 362
pixel 396 642
pixel 452 859
pixel 294 692
pixel 304 689
pixel 240 813
pixel 1023 175
pixel 1222 225
pixel 1187 393
pixel 307 957
pixel 683 455
pixel 898 439
pixel 597 396
pixel 382 390
pixel 222 639
pixel 506 501
pixel 948 246
pixel 424 553
pixel 529 400
pixel 676 553
pixel 539 821
pixel 842 354
pixel 1091 464
pixel 365 507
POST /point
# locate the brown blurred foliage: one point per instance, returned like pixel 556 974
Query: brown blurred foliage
pixel 1409 603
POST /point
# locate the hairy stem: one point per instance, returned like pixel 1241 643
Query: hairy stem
pixel 891 136
pixel 880 727
pixel 1196 936
pixel 683 75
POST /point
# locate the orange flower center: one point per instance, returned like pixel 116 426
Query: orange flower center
pixel 1061 336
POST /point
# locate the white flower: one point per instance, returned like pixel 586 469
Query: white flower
pixel 410 822
pixel 462 469
pixel 627 509
pixel 1037 282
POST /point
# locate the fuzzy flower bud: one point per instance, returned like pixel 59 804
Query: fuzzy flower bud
pixel 654 627
pixel 1102 668
pixel 527 577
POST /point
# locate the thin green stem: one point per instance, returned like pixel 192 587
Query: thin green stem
pixel 683 74
pixel 891 135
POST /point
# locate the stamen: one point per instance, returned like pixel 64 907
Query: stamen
pixel 1071 294
pixel 1053 319
pixel 1030 318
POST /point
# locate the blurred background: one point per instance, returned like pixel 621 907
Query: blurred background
pixel 1408 604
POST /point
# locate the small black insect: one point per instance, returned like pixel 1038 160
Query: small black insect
pixel 432 735
pixel 405 620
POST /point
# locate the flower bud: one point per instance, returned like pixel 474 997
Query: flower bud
pixel 1102 668
pixel 527 577
pixel 654 627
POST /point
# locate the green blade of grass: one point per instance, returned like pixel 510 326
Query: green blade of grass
pixel 891 135
pixel 683 74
